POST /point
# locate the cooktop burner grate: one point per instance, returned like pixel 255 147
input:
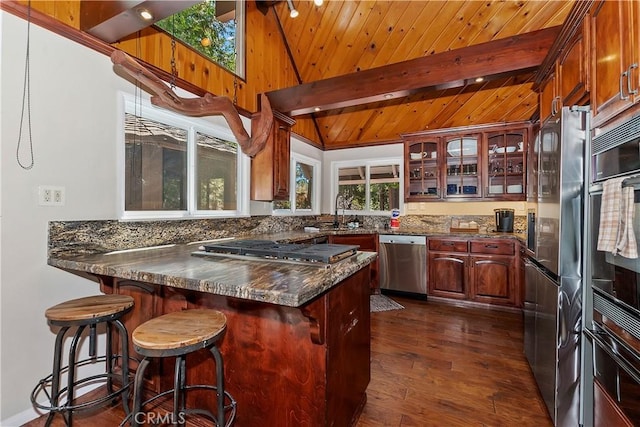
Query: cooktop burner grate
pixel 322 253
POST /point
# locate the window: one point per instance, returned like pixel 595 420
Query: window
pixel 176 166
pixel 368 187
pixel 305 197
pixel 215 28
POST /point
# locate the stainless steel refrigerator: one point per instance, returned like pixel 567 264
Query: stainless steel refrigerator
pixel 553 275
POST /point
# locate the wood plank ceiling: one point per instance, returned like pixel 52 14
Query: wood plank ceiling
pixel 344 37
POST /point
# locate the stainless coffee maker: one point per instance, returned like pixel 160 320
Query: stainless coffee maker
pixel 504 220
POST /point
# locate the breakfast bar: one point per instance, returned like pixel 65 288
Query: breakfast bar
pixel 297 347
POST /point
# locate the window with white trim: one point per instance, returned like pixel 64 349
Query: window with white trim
pixel 175 166
pixel 304 197
pixel 368 187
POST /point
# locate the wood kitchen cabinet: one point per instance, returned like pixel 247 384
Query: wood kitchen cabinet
pixel 564 77
pixel 478 270
pixel 615 31
pixel 505 167
pixel 447 265
pixel 472 164
pixel 492 268
pixel 270 168
pixel 366 242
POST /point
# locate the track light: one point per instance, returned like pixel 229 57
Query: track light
pixel 292 10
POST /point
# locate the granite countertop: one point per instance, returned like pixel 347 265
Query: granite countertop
pixel 283 283
pixel 299 235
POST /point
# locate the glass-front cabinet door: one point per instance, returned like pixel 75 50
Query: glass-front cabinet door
pixel 462 179
pixel 506 164
pixel 422 173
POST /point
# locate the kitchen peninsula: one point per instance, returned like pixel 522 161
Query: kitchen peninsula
pixel 297 347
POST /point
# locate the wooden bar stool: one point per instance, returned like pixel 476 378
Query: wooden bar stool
pixel 176 335
pixel 80 313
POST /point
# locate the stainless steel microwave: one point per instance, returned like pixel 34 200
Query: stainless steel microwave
pixel 616 152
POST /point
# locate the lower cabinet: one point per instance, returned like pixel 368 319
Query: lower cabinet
pixel 366 242
pixel 479 270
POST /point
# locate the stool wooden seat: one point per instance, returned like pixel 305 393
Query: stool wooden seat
pixel 80 313
pixel 88 308
pixel 182 332
pixel 178 334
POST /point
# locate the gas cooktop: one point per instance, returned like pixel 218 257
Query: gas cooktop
pixel 267 249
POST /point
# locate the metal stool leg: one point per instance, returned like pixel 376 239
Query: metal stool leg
pixel 137 392
pixel 179 398
pixel 220 385
pixel 55 381
pixel 71 373
pixel 124 353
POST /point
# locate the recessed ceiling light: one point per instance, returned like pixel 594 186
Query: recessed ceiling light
pixel 145 14
pixel 388 96
pixel 479 79
pixel 316 109
pixel 317 2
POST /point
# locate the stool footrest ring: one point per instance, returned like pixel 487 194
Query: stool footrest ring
pixel 44 385
pixel 231 406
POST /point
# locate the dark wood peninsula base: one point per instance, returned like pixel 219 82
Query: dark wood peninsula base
pixel 285 366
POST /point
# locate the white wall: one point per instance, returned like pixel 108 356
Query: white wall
pixel 73 112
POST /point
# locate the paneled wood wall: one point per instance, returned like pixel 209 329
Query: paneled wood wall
pixel 268 66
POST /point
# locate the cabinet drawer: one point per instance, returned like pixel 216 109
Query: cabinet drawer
pixel 493 247
pixel 447 245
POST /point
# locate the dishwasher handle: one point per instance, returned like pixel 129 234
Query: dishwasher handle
pixel 402 239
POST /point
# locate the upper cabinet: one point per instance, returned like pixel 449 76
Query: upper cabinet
pixel 567 82
pixel 506 160
pixel 270 167
pixel 483 163
pixel 615 31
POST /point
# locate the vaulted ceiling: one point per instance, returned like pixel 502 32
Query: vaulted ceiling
pixel 341 38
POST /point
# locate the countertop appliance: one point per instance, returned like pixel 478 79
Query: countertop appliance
pixel 553 275
pixel 504 220
pixel 318 254
pixel 612 324
pixel 403 265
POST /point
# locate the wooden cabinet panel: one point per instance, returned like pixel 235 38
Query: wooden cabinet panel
pixel 492 247
pixel 447 275
pixel 367 242
pixel 573 66
pixel 549 99
pixel 616 78
pixel 492 279
pixel 270 168
pixel 448 245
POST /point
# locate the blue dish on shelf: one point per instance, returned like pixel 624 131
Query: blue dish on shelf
pixel 432 190
pixel 469 189
pixel 452 189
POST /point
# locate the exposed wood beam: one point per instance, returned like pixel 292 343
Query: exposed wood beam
pixel 113 20
pixel 495 59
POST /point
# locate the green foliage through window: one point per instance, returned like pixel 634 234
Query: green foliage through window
pixel 204 28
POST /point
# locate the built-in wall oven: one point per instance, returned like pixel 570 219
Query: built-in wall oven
pixel 613 329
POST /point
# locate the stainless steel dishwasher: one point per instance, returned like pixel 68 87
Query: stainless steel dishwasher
pixel 403 264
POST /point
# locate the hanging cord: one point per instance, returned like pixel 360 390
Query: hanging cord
pixel 174 70
pixel 26 96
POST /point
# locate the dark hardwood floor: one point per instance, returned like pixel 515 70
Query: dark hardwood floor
pixel 433 364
